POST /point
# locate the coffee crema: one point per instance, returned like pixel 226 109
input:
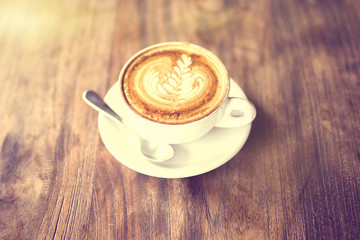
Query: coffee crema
pixel 174 83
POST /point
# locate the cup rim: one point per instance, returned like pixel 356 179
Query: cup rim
pixel 139 53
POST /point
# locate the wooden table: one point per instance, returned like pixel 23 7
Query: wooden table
pixel 297 177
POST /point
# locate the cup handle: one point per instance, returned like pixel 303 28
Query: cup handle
pixel 237 112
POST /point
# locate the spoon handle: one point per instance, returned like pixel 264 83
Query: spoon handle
pixel 96 102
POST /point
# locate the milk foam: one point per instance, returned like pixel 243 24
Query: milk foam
pixel 175 86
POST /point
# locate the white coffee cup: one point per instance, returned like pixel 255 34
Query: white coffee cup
pixel 232 112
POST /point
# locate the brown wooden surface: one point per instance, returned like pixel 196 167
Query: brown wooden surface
pixel 297 177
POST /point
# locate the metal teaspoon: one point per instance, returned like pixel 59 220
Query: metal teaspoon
pixel 158 152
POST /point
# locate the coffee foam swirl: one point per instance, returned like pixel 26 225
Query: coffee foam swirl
pixel 173 85
pixel 177 85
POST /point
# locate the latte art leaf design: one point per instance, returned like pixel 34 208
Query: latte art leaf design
pixel 178 84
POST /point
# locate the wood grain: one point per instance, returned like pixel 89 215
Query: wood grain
pixel 297 177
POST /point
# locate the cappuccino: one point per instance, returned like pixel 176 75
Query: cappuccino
pixel 174 83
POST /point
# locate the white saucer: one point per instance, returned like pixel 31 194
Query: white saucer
pixel 197 157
